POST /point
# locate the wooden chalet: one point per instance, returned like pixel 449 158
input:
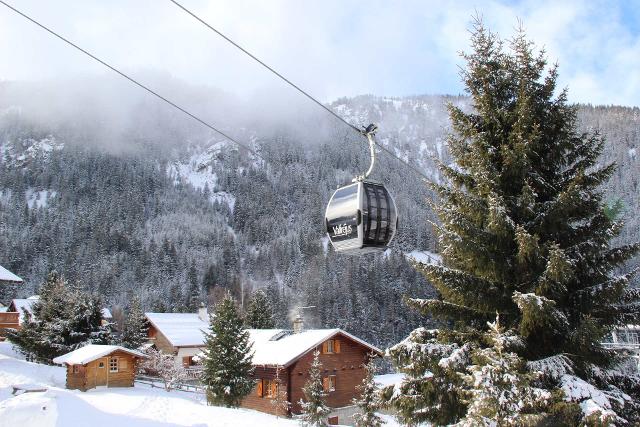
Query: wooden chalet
pixel 8 282
pixel 282 360
pixel 178 334
pixel 100 365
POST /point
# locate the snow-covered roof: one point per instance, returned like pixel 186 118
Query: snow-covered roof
pixel 23 305
pixel 270 350
pixel 106 313
pixel 7 276
pixel 180 329
pixel 278 347
pixel 90 353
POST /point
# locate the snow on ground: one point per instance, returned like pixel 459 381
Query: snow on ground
pixel 140 406
pixel 198 171
pixel 38 199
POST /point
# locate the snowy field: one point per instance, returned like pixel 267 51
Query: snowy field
pixel 140 406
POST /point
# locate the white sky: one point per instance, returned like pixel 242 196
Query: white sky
pixel 330 47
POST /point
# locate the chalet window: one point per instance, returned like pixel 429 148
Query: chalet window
pixel 267 388
pixel 113 364
pixel 329 383
pixel 100 364
pixel 271 388
pixel 331 347
pixel 76 369
pixel 187 361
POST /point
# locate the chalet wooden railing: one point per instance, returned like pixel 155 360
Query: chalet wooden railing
pixel 156 382
pixel 621 345
pixel 9 320
pixel 194 372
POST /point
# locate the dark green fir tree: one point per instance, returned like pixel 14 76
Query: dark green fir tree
pixel 228 355
pixel 523 232
pixel 64 319
pixel 259 312
pixel 134 330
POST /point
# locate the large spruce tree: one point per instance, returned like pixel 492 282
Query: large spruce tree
pixel 523 232
pixel 228 354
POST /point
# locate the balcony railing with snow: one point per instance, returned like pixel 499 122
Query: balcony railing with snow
pixel 621 345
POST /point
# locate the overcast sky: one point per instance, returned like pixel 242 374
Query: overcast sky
pixel 330 47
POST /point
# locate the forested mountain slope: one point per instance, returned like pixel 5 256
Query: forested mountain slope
pixel 127 197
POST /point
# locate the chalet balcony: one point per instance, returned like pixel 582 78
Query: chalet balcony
pixel 621 345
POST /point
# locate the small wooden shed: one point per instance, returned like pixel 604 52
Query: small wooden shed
pixel 100 365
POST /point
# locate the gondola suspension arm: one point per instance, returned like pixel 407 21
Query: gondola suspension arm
pixel 368 133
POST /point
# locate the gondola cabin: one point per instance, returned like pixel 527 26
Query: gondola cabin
pixel 361 218
pixel 100 365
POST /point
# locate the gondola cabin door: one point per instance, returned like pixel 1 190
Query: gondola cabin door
pixel 343 217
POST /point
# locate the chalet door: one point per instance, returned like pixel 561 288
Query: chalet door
pixel 102 366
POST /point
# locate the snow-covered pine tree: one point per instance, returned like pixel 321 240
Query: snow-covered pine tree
pixel 193 294
pixel 134 330
pixel 369 400
pixel 524 233
pixel 64 318
pixel 314 409
pixel 499 386
pixel 259 312
pixel 228 354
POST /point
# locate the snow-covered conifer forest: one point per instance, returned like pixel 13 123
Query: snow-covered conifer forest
pixel 121 194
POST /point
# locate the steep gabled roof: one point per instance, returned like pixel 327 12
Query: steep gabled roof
pixel 269 350
pixel 7 276
pixel 91 352
pixel 272 347
pixel 180 329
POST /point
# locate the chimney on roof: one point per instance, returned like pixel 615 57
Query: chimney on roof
pixel 202 313
pixel 298 324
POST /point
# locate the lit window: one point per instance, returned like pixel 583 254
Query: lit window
pixel 113 364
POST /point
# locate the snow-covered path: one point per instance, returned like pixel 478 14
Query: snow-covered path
pixel 140 406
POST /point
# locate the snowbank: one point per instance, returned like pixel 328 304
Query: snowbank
pixel 140 406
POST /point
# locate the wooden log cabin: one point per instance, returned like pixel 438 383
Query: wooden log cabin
pixel 100 365
pixel 282 360
pixel 8 283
